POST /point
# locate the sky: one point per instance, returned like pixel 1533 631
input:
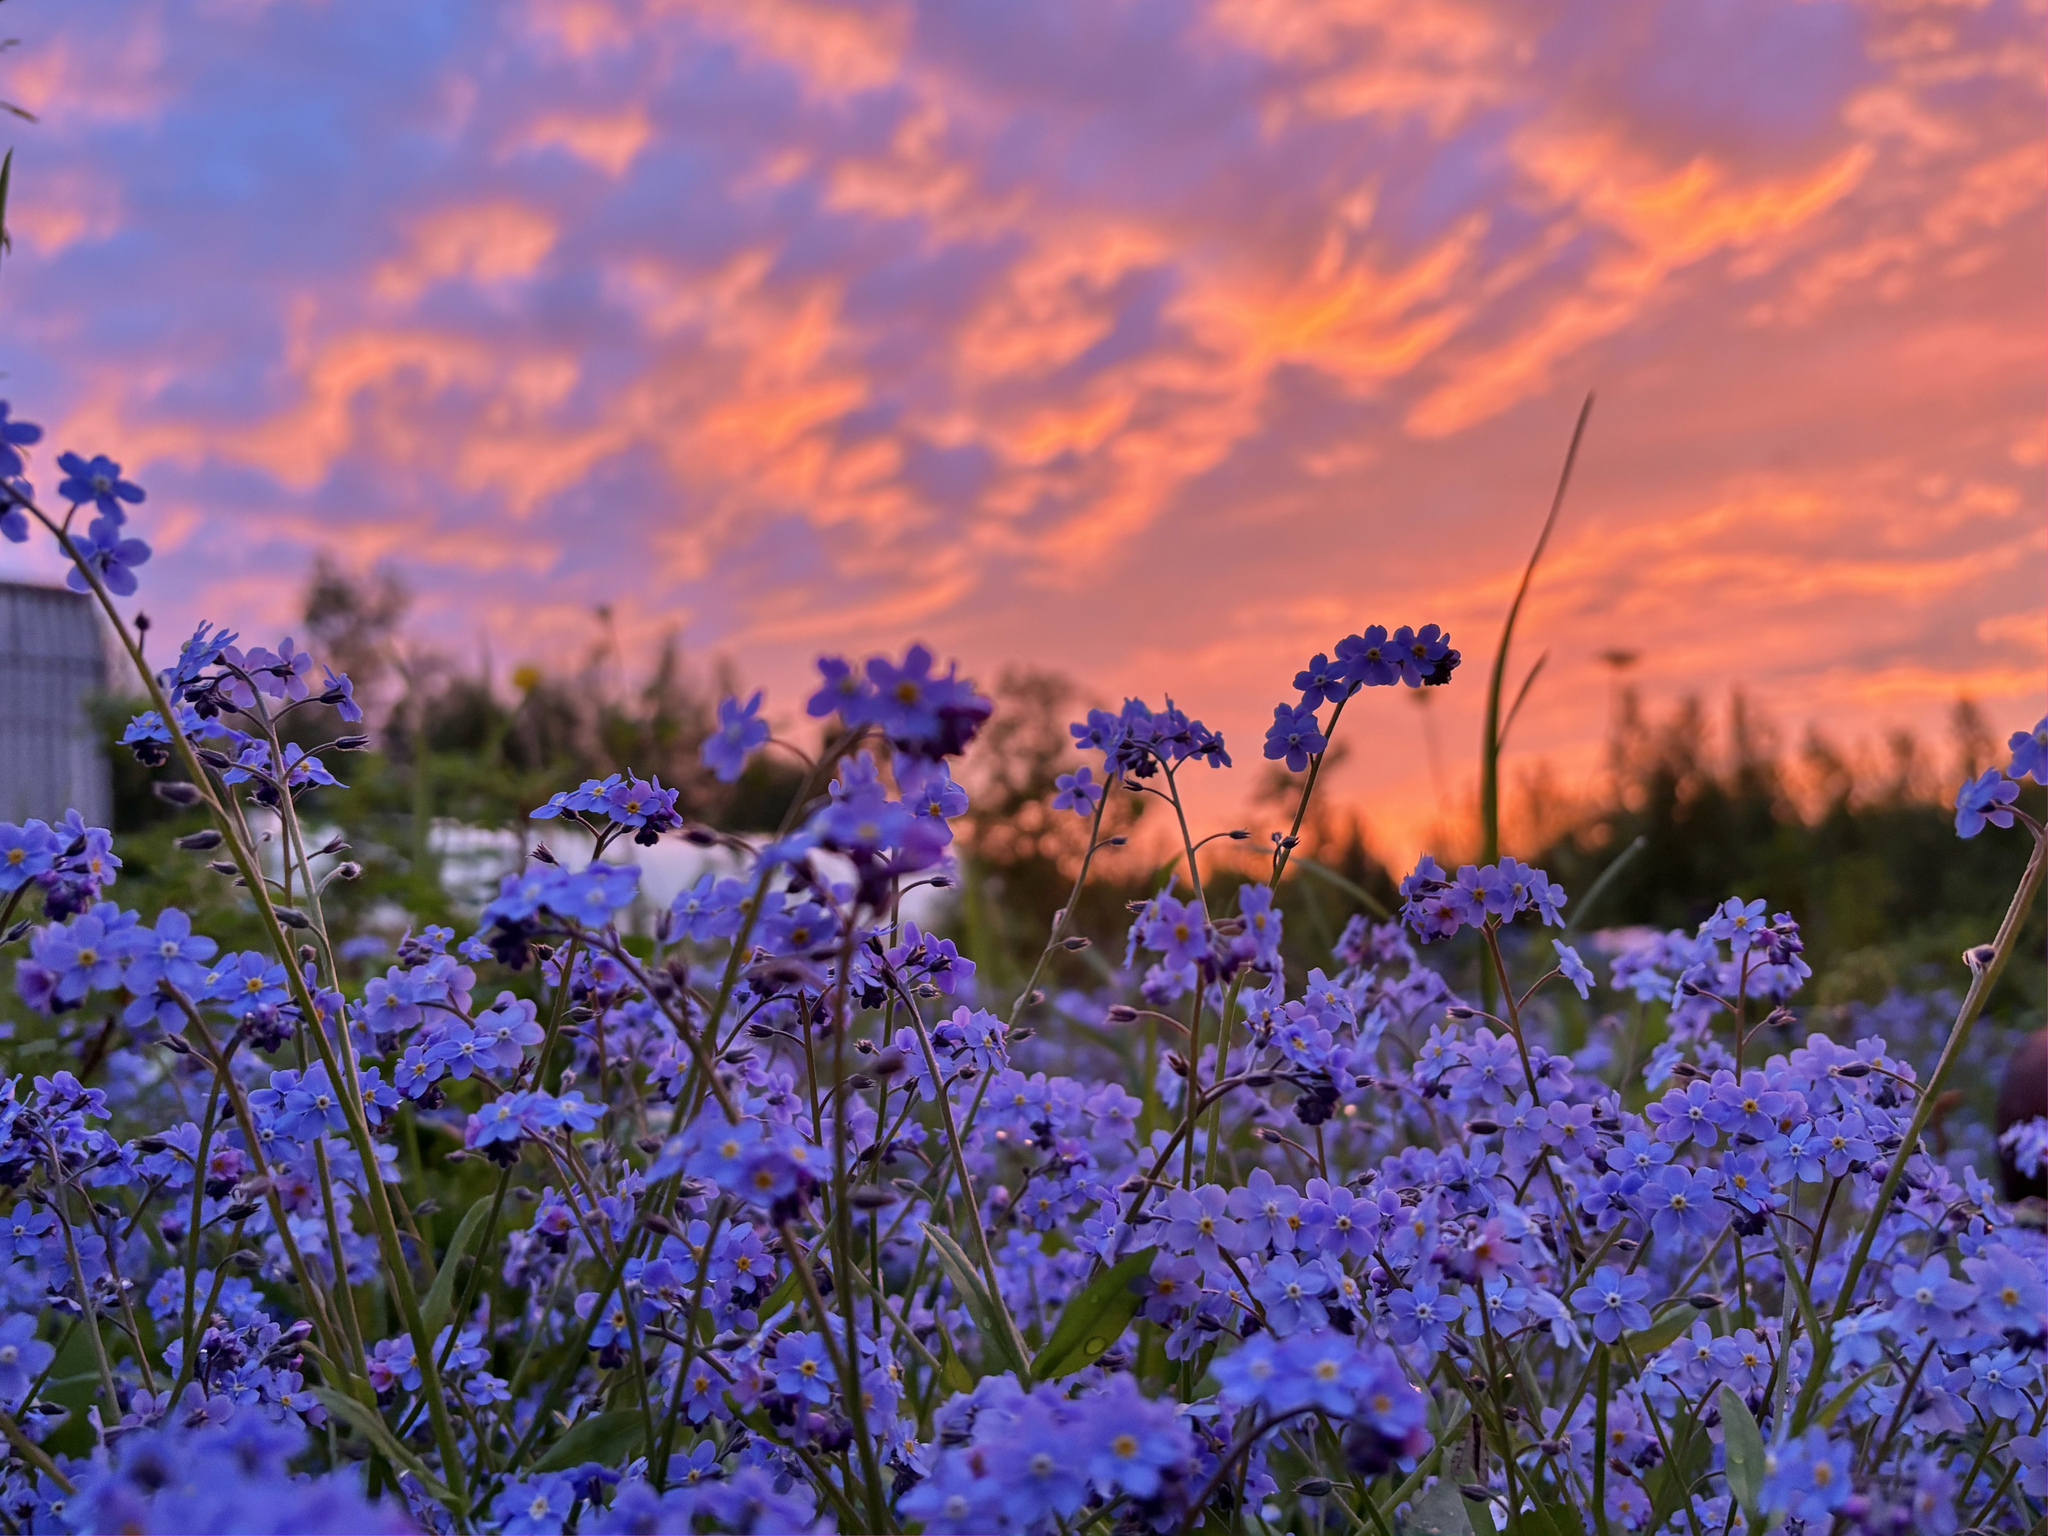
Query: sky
pixel 1155 342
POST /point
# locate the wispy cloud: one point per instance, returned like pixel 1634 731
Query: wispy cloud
pixel 1157 342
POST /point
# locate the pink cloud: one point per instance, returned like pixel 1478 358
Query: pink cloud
pixel 1158 345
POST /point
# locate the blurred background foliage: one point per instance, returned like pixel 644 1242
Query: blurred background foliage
pixel 1858 842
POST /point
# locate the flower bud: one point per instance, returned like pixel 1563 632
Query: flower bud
pixel 1122 1013
pixel 292 917
pixel 178 792
pixel 200 842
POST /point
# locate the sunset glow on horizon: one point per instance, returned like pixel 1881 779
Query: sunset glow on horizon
pixel 1157 344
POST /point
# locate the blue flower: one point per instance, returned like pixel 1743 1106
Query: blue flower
pixel 1423 1315
pixel 1615 1301
pixel 1986 798
pixel 108 551
pixel 15 436
pixel 1572 968
pixel 535 1506
pixel 1808 1478
pixel 802 1368
pixel 2029 754
pixel 739 733
pixel 1321 682
pixel 1368 659
pixel 96 480
pixel 1294 735
pixel 1078 792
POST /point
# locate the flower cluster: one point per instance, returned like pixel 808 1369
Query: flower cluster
pixel 767 1211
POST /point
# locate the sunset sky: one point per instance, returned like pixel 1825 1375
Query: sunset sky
pixel 1160 343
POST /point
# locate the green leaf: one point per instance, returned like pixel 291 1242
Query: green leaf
pixel 1093 1318
pixel 441 1296
pixel 1827 1416
pixel 988 1312
pixel 603 1437
pixel 1647 1341
pixel 370 1425
pixel 1549 1520
pixel 952 1370
pixel 1744 1444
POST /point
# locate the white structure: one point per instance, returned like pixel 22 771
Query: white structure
pixel 52 662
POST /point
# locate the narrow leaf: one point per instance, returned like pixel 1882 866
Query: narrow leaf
pixel 1827 1416
pixel 1744 1445
pixel 1094 1318
pixel 441 1295
pixel 603 1437
pixel 1647 1341
pixel 989 1313
pixel 371 1426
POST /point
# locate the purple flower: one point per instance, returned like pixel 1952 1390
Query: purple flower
pixel 1321 682
pixel 1198 1222
pixel 1291 1292
pixel 1615 1301
pixel 535 1506
pixel 1294 735
pixel 341 693
pixel 114 556
pixel 1572 968
pixel 1180 929
pixel 1078 792
pixel 1425 655
pixel 802 1368
pixel 739 732
pixel 15 436
pixel 1808 1478
pixel 2029 751
pixel 96 480
pixel 1367 659
pixel 22 1356
pixel 1681 1203
pixel 1132 1441
pixel 1423 1315
pixel 26 851
pixel 1986 798
pixel 1928 1297
pixel 1570 1130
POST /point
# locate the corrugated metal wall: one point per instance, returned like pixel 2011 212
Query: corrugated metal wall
pixel 52 661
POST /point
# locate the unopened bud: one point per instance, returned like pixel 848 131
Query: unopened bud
pixel 350 743
pixel 1313 1487
pixel 1122 1013
pixel 1077 941
pixel 1478 1493
pixel 1178 1063
pixel 177 791
pixel 1704 1301
pixel 1980 956
pixel 348 869
pixel 292 917
pixel 873 1197
pixel 1852 1069
pixel 1482 1127
pixel 214 759
pixel 222 867
pixel 200 842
